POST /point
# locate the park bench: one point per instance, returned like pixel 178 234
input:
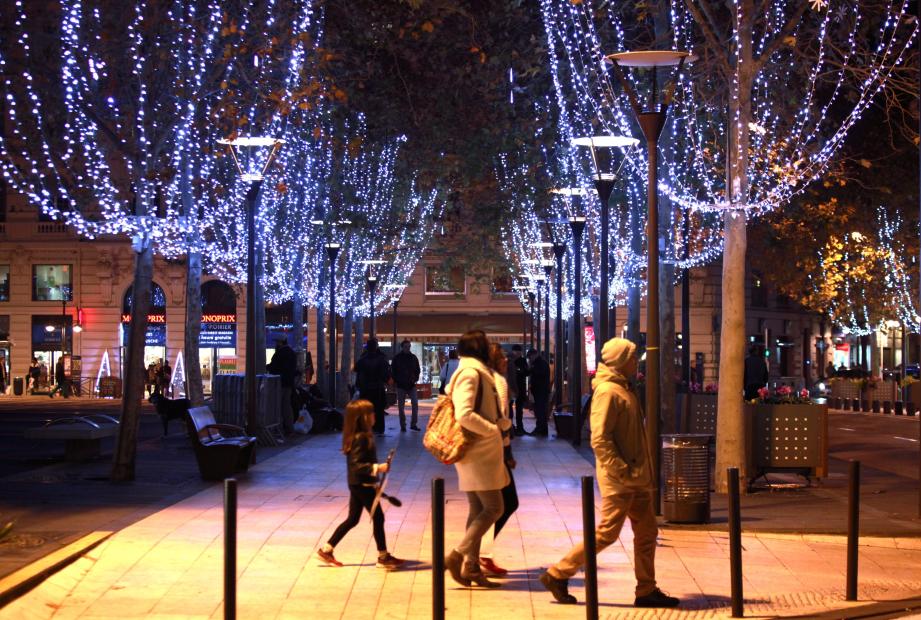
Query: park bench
pixel 221 450
pixel 82 435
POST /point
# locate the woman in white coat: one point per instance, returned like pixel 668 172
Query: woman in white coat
pixel 481 472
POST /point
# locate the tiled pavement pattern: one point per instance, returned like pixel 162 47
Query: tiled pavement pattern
pixel 169 565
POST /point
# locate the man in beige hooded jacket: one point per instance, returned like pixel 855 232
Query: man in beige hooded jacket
pixel 624 478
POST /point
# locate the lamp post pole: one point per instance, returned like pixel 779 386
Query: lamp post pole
pixel 577 224
pixel 372 286
pixel 651 121
pixel 252 199
pixel 538 282
pixel 332 251
pixel 393 348
pixel 531 316
pixel 604 187
pixel 559 250
pixel 548 268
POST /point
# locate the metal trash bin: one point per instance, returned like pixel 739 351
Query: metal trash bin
pixel 18 386
pixel 686 478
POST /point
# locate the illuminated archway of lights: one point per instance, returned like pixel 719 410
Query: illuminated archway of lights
pixel 527 185
pixel 126 127
pixel 814 65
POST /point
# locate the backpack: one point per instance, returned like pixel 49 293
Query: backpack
pixel 444 437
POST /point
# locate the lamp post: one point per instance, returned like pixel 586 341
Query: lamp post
pixel 372 282
pixel 548 268
pixel 604 185
pixel 559 251
pixel 252 157
pixel 332 252
pixel 531 315
pixel 577 224
pixel 651 120
pixel 398 288
pixel 538 284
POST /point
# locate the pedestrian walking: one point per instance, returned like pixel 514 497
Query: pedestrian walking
pixel 498 364
pixel 372 372
pixel 35 372
pixel 363 470
pixel 481 472
pixel 539 372
pixel 520 365
pixel 151 379
pixel 284 364
pixel 406 370
pixel 624 478
pixel 448 370
pixel 60 379
pixel 164 378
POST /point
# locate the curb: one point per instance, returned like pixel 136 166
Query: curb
pixel 18 583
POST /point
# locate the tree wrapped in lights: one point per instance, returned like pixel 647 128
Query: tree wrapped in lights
pixel 739 152
pixel 109 119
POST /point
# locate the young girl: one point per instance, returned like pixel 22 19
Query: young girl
pixel 361 456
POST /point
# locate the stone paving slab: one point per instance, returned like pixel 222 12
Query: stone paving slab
pixel 169 565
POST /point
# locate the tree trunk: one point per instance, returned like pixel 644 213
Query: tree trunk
pixel 731 447
pixel 667 373
pixel 875 355
pixel 359 336
pixel 320 362
pixel 345 368
pixel 194 389
pixel 126 447
pixel 297 327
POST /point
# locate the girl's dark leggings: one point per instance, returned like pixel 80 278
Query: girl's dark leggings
pixel 509 500
pixel 361 497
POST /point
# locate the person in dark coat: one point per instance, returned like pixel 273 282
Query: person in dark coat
pixel 520 388
pixel 60 378
pixel 539 372
pixel 756 373
pixel 406 371
pixel 284 364
pixel 372 372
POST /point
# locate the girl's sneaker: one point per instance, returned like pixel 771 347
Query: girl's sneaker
pixel 389 562
pixel 328 557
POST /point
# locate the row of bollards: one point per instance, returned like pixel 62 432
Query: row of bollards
pixel 588 533
pixel 735 536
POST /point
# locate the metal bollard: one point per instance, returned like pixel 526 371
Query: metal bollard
pixel 230 549
pixel 735 543
pixel 853 527
pixel 438 548
pixel 588 536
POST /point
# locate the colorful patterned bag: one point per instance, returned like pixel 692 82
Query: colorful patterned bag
pixel 444 437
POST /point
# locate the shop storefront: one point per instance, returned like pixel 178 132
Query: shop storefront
pixel 155 338
pixel 217 339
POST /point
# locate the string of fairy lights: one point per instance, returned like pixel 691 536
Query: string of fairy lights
pixel 814 64
pixel 122 141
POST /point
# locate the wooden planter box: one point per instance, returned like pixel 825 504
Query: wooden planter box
pixel 787 437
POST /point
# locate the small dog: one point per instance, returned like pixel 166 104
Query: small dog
pixel 169 409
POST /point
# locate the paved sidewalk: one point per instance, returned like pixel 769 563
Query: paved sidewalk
pixel 169 565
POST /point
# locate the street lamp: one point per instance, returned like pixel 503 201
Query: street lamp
pixel 398 293
pixel 604 185
pixel 372 287
pixel 531 316
pixel 577 227
pixel 539 281
pixel 548 268
pixel 651 120
pixel 332 252
pixel 252 156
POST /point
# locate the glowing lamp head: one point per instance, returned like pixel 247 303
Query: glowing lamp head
pixel 252 155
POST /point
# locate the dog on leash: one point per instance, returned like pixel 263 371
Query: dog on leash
pixel 169 409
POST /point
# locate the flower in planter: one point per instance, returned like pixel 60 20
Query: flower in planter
pixel 783 395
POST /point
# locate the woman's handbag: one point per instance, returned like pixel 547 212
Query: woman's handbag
pixel 444 437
